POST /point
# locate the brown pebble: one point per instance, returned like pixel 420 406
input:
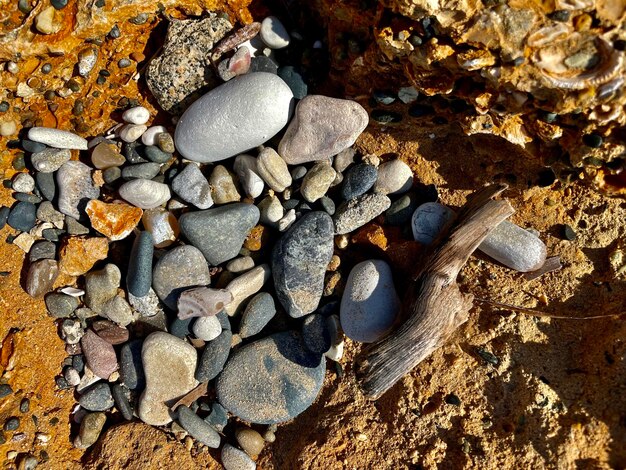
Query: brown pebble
pixel 250 441
pixel 110 332
pixel 41 277
pixel 106 155
pixel 99 354
pixel 137 56
pixel 90 429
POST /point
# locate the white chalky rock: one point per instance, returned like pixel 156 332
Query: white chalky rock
pixel 245 286
pixel 146 194
pixel 515 247
pixel 150 136
pixel 207 328
pixel 246 168
pixel 273 33
pixel 57 138
pixel 394 177
pixel 131 132
pixel 137 115
pixel 369 304
pixel 241 114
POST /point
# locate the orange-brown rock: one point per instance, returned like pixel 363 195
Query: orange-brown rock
pixel 256 239
pixel 114 221
pixel 78 254
pixel 374 234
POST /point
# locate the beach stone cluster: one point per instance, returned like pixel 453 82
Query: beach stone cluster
pixel 207 255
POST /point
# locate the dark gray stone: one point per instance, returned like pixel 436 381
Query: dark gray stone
pixel 259 311
pixel 224 320
pixel 23 216
pixel 271 380
pixel 43 249
pixel 97 397
pixel 263 64
pixel 61 305
pixel 299 262
pixel 199 429
pixel 139 275
pixel 401 210
pixel 78 363
pixel 111 174
pixel 218 418
pixel 155 154
pixel 358 180
pixel 141 171
pixel 327 204
pixel 133 152
pixel 74 227
pixel 46 184
pixel 214 357
pixel 293 78
pixel 131 367
pixel 219 233
pixel 316 334
pixel 52 234
pixel 181 328
pixel 179 269
pixel 120 397
pixel 176 76
pixel 25 197
pixel 32 146
pixel 4 215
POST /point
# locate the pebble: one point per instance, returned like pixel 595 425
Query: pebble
pixel 24 241
pixel 156 155
pixel 79 254
pixel 72 376
pixel 76 188
pixel 273 33
pixel 191 185
pixel 238 64
pixel 72 332
pixel 86 61
pixel 5 390
pixel 179 269
pixel 223 189
pixel 259 311
pixel 383 97
pixel 150 136
pixel 293 78
pixel 42 250
pixel 246 169
pixel 316 335
pixel 429 220
pixel 299 262
pixel 165 142
pixel 407 94
pixel 131 132
pixel 11 424
pixel 57 138
pixel 258 393
pixel 146 171
pixel 32 147
pixel 394 177
pixel 250 441
pixel 23 216
pixel 110 332
pixel 131 367
pixel 263 64
pixel 46 184
pixel 41 277
pixel 101 286
pixel 210 129
pixel 61 305
pixel 214 356
pixel 235 459
pixel 514 247
pixel 317 181
pixel 97 398
pixel 99 354
pixel 322 127
pixel 357 212
pixel 207 328
pixel 401 210
pixel 146 194
pixel 328 205
pixel 137 115
pixel 4 216
pixel 273 169
pixel 271 210
pixel 26 197
pixel 90 429
pixel 199 429
pixel 120 397
pixel 106 155
pixel 202 302
pixel 287 221
pixel 169 365
pixel 358 180
pixel 23 183
pixel 50 159
pixel 139 275
pixel 115 221
pixel 8 128
pixel 369 305
pixel 218 418
pixel 245 286
pixel 298 173
pixel 228 225
pixel 163 226
pixel 240 265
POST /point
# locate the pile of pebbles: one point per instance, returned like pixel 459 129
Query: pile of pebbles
pixel 225 307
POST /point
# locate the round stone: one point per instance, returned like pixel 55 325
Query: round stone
pixel 394 177
pixel 137 115
pixel 97 398
pixel 146 194
pixel 23 183
pixel 273 33
pixel 207 328
pixel 235 459
pixel 23 216
pixel 429 220
pixel 358 180
pixel 259 311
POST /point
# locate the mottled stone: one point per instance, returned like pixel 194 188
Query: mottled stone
pixel 76 188
pixel 202 302
pixel 114 221
pixel 145 171
pixel 235 459
pixel 191 185
pixel 60 305
pixel 223 189
pixel 41 277
pixel 50 159
pixel 23 216
pixel 99 354
pixel 90 429
pixel 97 397
pixel 357 212
pixel 79 254
pixel 429 220
pixel 273 169
pixel 299 262
pixel 317 181
pixel 101 286
pixel 358 180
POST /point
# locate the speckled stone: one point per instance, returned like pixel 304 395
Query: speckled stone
pixel 99 354
pixel 199 429
pixel 191 185
pixel 273 169
pixel 514 247
pixel 61 305
pixel 57 138
pixel 214 357
pixel 316 335
pixel 97 397
pixel 90 429
pixel 76 189
pixel 23 216
pixel 358 180
pixel 271 380
pixel 50 159
pixel 357 212
pixel 235 459
pixel 259 311
pixel 317 181
pixel 223 189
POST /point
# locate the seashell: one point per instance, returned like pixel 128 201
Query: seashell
pixel 73 291
pixel 610 88
pixel 549 34
pixel 146 194
pixel 572 5
pixel 202 302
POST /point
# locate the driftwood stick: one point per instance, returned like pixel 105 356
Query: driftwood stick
pixel 434 306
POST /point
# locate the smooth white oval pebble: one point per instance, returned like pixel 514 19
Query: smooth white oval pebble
pixel 136 115
pixel 369 304
pixel 515 247
pixel 241 114
pixel 207 328
pixel 57 138
pixel 146 194
pixel 150 136
pixel 429 220
pixel 131 132
pixel 273 33
pixel 394 177
pixel 245 167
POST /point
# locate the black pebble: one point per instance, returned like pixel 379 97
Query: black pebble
pixel 132 151
pixel 181 328
pixel 156 155
pixel 214 357
pixel 383 97
pixel 78 363
pixel 263 64
pixel 25 405
pixel 358 180
pixel 23 216
pixel 131 367
pixel 46 184
pixel 452 399
pixel 111 174
pixel 569 233
pixel 5 390
pixel 31 146
pixel 52 234
pixel 25 197
pixel 142 170
pixel 12 424
pixel 293 78
pixel 593 140
pixel 316 334
pixel 119 393
pixel 4 215
pixel 402 209
pixel 139 277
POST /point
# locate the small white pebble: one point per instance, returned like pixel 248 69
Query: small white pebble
pixel 8 128
pixel 73 291
pixel 11 455
pixel 131 132
pixel 12 67
pixel 136 115
pixel 361 437
pixel 432 136
pixel 42 437
pixel 149 137
pixel 23 183
pixel 285 222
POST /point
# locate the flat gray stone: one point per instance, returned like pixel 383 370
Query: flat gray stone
pixel 198 428
pixel 76 189
pixel 243 113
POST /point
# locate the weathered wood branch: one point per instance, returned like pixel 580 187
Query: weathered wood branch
pixel 434 306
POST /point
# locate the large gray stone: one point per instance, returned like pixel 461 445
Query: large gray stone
pixel 236 116
pixel 299 262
